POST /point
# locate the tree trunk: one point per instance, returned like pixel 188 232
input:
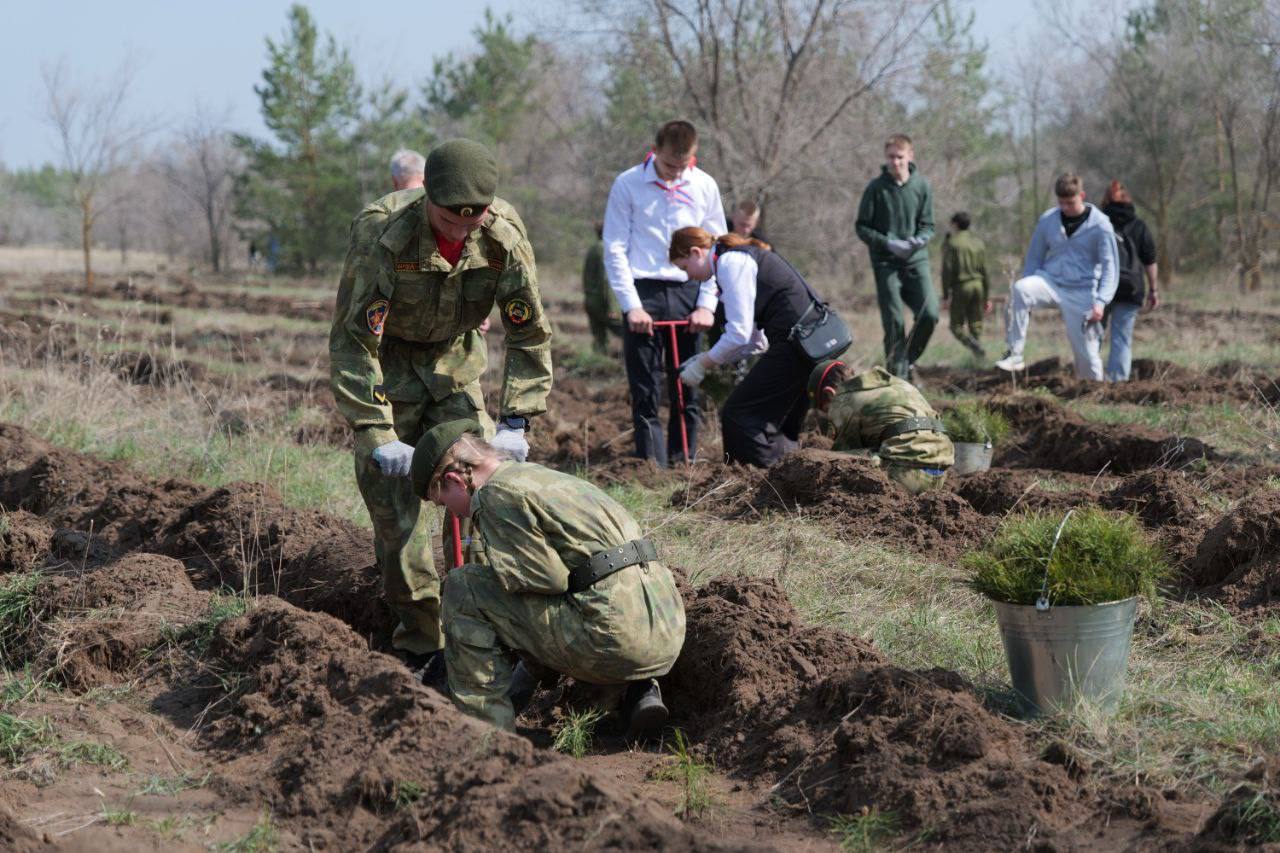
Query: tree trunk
pixel 86 238
pixel 215 245
pixel 1162 245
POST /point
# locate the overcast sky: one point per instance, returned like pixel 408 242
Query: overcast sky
pixel 213 52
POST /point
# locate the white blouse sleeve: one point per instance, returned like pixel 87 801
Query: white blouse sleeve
pixel 736 274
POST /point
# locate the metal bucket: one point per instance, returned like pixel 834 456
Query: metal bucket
pixel 972 457
pixel 1061 655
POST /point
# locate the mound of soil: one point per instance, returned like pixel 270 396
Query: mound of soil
pixel 1048 436
pixel 850 491
pixel 242 536
pixel 1000 491
pixel 1249 816
pixel 744 637
pixel 24 541
pixel 1151 382
pixel 328 734
pixel 1238 560
pixel 96 627
pixel 820 713
pixel 584 427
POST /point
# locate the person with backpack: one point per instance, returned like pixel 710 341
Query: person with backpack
pixel 1137 251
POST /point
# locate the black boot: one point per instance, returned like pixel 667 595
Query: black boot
pixel 646 713
pixel 428 668
pixel 523 686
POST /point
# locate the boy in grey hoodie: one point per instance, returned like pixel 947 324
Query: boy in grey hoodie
pixel 1072 264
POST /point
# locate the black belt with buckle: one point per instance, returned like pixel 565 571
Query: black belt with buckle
pixel 917 424
pixel 613 560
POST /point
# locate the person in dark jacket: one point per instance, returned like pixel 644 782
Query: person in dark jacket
pixel 895 220
pixel 1137 252
pixel 762 297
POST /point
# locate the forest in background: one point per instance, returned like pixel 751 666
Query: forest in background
pixel 1179 99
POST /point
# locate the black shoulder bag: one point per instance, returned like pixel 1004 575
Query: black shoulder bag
pixel 820 333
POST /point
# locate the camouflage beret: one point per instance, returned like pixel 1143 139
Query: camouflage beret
pixel 431 448
pixel 461 173
pixel 818 374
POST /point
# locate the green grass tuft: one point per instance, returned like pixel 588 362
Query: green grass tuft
pixel 21 736
pixel 691 774
pixel 576 734
pixel 405 794
pixel 17 613
pixel 119 817
pixel 88 752
pixel 974 423
pixel 168 786
pixel 1101 556
pixel 263 838
pixel 866 832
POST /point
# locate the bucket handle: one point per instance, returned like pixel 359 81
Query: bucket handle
pixel 1042 602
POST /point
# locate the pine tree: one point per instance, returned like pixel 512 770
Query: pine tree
pixel 302 187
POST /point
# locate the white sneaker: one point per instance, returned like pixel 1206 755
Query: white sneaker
pixel 1011 363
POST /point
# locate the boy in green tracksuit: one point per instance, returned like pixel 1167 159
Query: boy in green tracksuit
pixel 895 220
pixel 965 284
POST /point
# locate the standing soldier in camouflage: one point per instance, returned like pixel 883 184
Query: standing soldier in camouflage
pixel 597 296
pixel 965 283
pixel 424 269
pixel 557 572
pixel 876 413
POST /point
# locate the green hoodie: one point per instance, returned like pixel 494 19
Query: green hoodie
pixel 889 211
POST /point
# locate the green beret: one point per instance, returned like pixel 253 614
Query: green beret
pixel 817 375
pixel 430 449
pixel 461 173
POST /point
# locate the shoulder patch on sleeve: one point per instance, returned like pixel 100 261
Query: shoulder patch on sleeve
pixel 376 315
pixel 518 311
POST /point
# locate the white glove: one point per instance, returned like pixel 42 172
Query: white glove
pixel 917 242
pixel 512 442
pixel 394 458
pixel 694 370
pixel 901 248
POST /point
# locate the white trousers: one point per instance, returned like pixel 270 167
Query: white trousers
pixel 1074 303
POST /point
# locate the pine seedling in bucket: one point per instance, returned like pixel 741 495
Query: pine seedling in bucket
pixel 975 430
pixel 1066 592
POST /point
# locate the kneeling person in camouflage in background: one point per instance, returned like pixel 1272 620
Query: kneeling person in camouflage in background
pixel 876 413
pixel 557 572
pixel 421 276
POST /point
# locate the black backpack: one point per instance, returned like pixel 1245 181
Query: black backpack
pixel 1130 265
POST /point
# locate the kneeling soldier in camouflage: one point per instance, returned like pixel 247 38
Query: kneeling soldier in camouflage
pixel 877 413
pixel 556 571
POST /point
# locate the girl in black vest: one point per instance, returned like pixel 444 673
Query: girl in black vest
pixel 762 297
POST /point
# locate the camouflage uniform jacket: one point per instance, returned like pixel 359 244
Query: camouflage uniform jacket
pixel 535 525
pixel 874 400
pixel 404 322
pixel 964 259
pixel 597 295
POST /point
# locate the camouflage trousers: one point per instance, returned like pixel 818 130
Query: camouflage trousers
pixel 485 627
pixel 916 480
pixel 403 526
pixel 967 304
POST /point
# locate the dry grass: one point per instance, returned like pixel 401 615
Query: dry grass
pixel 50 259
